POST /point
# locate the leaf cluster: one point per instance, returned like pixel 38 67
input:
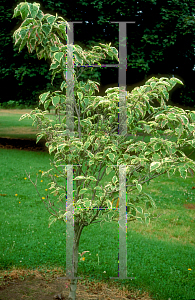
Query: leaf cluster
pixel 153 146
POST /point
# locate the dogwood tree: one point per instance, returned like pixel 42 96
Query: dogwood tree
pixel 153 146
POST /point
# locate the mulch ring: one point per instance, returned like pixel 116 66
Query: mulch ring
pixel 39 286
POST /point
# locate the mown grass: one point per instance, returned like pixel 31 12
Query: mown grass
pixel 12 128
pixel 160 256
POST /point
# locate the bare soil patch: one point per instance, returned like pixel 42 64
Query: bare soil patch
pixel 23 144
pixel 189 205
pixel 31 285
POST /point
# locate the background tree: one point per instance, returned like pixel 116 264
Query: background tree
pixel 160 42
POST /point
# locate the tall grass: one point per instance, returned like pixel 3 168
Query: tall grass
pixel 160 256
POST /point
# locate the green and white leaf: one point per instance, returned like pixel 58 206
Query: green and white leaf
pixel 111 156
pixel 55 100
pixel 154 165
pixel 58 56
pixel 82 191
pixel 139 187
pixel 43 97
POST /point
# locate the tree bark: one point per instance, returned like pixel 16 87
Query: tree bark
pixel 73 284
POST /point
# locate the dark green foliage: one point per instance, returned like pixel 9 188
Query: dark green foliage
pixel 161 42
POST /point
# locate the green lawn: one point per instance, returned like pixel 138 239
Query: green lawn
pixel 161 256
pixel 12 128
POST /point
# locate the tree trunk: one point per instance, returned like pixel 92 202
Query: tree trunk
pixel 73 284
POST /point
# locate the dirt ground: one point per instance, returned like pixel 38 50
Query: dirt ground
pixel 23 144
pixel 31 285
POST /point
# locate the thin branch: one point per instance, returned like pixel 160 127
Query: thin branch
pixel 82 70
pixel 43 200
pixel 79 122
pixel 37 190
pixel 60 186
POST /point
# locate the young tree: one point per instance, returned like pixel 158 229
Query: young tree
pixel 154 146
